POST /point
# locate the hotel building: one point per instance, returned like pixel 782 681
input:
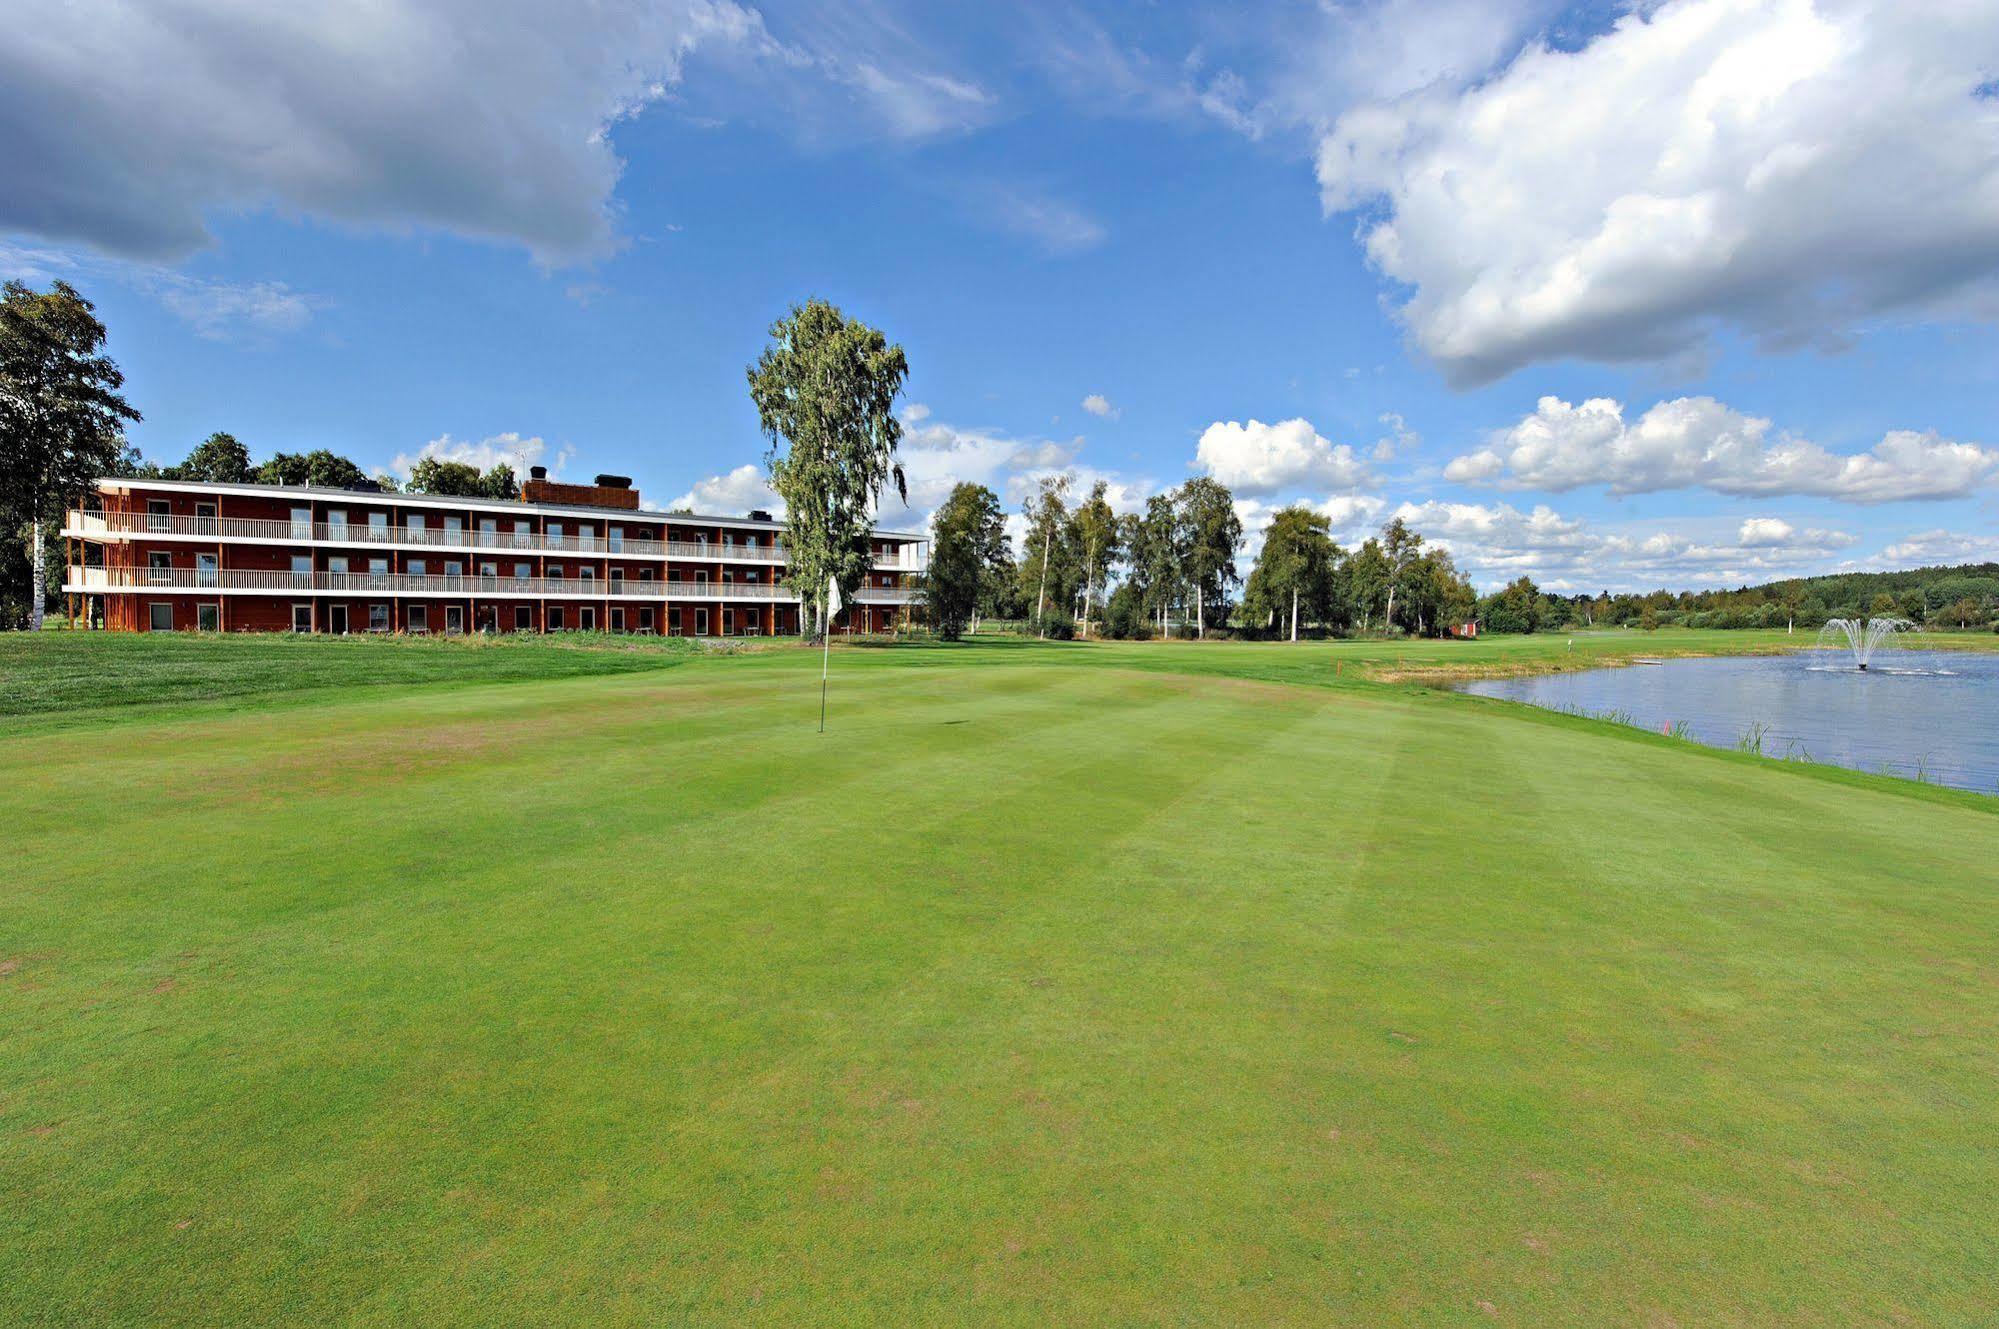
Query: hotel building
pixel 169 555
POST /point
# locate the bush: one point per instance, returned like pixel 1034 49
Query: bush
pixel 1124 617
pixel 1054 625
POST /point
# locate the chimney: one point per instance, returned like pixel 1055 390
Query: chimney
pixel 538 472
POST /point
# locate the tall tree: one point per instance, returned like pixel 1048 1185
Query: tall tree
pixel 327 470
pixel 62 419
pixel 1213 535
pixel 825 391
pixel 1158 556
pixel 968 545
pixel 1367 577
pixel 1294 571
pixel 1401 546
pixel 219 459
pixel 457 479
pixel 1097 537
pixel 1044 555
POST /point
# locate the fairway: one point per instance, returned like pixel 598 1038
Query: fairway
pixel 1052 985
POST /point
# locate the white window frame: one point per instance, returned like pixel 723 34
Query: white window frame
pixel 153 607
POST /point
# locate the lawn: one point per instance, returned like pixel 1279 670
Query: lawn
pixel 1053 985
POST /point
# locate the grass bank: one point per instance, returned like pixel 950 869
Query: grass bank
pixel 1055 985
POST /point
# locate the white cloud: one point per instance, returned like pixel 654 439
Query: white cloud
pixel 252 312
pixel 1261 459
pixel 1698 442
pixel 129 126
pixel 915 413
pixel 1100 406
pixel 1058 227
pixel 1783 168
pixel 510 448
pixel 1939 548
pixel 1399 441
pixel 224 311
pixel 732 494
pixel 1495 543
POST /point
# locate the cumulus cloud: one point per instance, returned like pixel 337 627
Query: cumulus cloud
pixel 485 453
pixel 1495 543
pixel 1099 405
pixel 1697 442
pixel 1938 547
pixel 127 127
pixel 1786 169
pixel 732 494
pixel 1259 459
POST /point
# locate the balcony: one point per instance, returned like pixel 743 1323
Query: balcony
pixel 163 526
pixel 361 585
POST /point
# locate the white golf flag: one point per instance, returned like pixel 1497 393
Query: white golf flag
pixel 833 601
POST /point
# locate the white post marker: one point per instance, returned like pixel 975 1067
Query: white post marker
pixel 833 606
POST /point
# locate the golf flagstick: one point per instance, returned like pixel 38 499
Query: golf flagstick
pixel 826 660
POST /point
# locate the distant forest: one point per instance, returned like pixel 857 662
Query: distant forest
pixel 1965 596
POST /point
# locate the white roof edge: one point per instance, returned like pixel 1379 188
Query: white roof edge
pixel 448 501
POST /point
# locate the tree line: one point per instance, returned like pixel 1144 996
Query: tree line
pixel 1173 569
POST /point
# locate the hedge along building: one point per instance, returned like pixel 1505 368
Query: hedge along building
pixel 170 555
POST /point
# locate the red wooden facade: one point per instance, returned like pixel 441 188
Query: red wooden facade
pixel 153 555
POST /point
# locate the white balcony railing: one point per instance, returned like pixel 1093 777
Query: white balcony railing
pixel 87 580
pixel 127 525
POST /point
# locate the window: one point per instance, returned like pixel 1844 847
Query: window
pixel 302 618
pixel 454 568
pixel 336 619
pixel 418 618
pixel 617 620
pixel 555 571
pixel 489 569
pixel 159 515
pixel 673 622
pixel 454 530
pixel 645 620
pixel 207 618
pixel 160 617
pixel 489 530
pixel 586 537
pixel 302 567
pixel 523 619
pixel 378 527
pixel 378 618
pixel 522 571
pixel 454 620
pixel 617 581
pixel 159 567
pixel 587 574
pixel 555 619
pixel 645 575
pixel 336 563
pixel 378 570
pixel 700 622
pixel 616 542
pixel 417 567
pixel 586 619
pixel 336 523
pixel 413 527
pixel 523 534
pixel 207 570
pixel 302 525
pixel 204 518
pixel 555 535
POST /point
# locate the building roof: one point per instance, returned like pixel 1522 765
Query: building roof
pixel 493 505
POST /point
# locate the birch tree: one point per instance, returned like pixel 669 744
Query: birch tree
pixel 825 390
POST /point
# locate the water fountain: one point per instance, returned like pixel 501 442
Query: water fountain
pixel 1861 635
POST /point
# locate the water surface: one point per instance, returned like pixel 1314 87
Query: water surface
pixel 1932 715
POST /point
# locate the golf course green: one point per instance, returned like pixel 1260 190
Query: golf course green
pixel 1101 984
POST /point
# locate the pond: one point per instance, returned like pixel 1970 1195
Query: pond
pixel 1930 715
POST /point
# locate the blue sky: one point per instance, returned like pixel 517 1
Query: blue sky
pixel 1694 294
